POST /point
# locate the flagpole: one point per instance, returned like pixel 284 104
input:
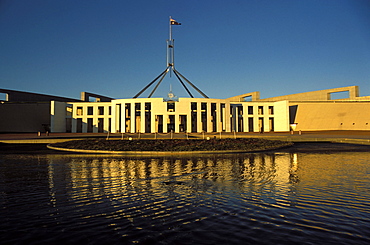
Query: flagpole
pixel 170 29
pixel 170 67
pixel 170 48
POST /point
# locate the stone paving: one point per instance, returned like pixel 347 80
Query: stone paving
pixel 358 137
pixel 32 143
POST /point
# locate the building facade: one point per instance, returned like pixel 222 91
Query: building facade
pixel 156 115
pixel 310 111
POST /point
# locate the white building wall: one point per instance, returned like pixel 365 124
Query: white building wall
pixel 281 114
pixel 185 109
pixel 80 112
pixel 182 109
pixel 262 114
pixel 132 117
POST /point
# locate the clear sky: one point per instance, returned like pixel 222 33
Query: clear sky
pixel 225 47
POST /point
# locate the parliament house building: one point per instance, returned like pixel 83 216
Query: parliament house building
pixel 309 111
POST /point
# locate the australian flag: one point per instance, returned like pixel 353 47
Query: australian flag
pixel 174 22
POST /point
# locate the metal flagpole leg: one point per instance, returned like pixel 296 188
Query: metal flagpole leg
pixel 159 82
pixel 187 90
pixel 199 91
pixel 147 86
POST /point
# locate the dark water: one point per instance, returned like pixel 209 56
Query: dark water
pixel 276 198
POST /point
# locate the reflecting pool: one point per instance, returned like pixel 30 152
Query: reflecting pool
pixel 261 198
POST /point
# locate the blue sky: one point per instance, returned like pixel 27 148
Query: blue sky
pixel 226 48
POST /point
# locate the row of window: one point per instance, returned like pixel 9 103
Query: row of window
pixel 90 110
pixel 171 108
pixel 251 112
pixel 90 126
pixel 260 110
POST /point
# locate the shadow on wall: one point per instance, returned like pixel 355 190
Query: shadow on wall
pixel 292 113
pixel 24 117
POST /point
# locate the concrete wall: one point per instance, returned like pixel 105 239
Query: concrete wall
pixel 320 95
pixel 20 96
pixel 310 111
pixel 85 96
pixel 253 96
pixel 332 116
pixel 24 117
pixel 58 115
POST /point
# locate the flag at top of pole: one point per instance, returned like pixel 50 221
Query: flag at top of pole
pixel 174 22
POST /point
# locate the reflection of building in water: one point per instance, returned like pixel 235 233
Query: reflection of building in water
pixel 113 176
pixel 293 175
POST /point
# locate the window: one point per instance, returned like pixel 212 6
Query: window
pixel 170 106
pixel 171 123
pixel 109 110
pixel 79 125
pixel 127 110
pixel 271 110
pixel 100 125
pixel 203 106
pixel 100 110
pixel 240 110
pixel 90 125
pixel 271 123
pixel 193 106
pixel 79 111
pixel 90 110
pixel 260 110
pixel 137 109
pixel 250 124
pixel 250 110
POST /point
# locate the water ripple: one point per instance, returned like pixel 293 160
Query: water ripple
pixel 224 199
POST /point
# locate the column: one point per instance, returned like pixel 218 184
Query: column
pixel 199 117
pixel 165 122
pixel 95 120
pixel 245 118
pixel 227 117
pixel 177 123
pixel 122 118
pixel 209 114
pixel 142 117
pixel 133 117
pixel 153 123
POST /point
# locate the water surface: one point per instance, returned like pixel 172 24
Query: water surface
pixel 271 198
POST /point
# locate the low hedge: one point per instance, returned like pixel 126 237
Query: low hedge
pixel 247 144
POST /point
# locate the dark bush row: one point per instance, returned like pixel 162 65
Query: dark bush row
pixel 248 144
